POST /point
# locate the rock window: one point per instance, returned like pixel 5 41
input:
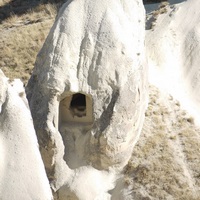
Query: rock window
pixel 76 107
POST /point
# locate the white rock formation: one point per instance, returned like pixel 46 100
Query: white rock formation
pixel 22 173
pixel 88 93
pixel 173 49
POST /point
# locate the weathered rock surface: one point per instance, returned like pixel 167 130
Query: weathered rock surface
pixel 173 47
pixel 22 173
pixel 88 90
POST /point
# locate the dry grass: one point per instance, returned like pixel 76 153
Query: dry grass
pixel 38 14
pixel 21 39
pixel 3 2
pixel 163 4
pixel 162 8
pixel 166 161
pixel 19 48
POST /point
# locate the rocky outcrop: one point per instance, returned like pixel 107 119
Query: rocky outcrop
pixel 88 91
pixel 173 47
pixel 22 173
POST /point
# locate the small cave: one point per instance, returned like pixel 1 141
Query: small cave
pixel 76 107
pixel 75 120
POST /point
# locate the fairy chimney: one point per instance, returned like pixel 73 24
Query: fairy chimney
pixel 88 90
pixel 22 173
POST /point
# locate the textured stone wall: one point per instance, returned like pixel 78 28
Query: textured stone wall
pixel 96 49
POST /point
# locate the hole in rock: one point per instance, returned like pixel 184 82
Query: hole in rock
pixel 76 107
pixel 75 120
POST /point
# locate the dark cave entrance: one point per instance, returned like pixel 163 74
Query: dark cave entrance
pixel 78 105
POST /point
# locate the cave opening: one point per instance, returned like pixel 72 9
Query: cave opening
pixel 78 105
pixel 76 108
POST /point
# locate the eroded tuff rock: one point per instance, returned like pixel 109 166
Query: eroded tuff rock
pixel 173 47
pixel 88 91
pixel 22 173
